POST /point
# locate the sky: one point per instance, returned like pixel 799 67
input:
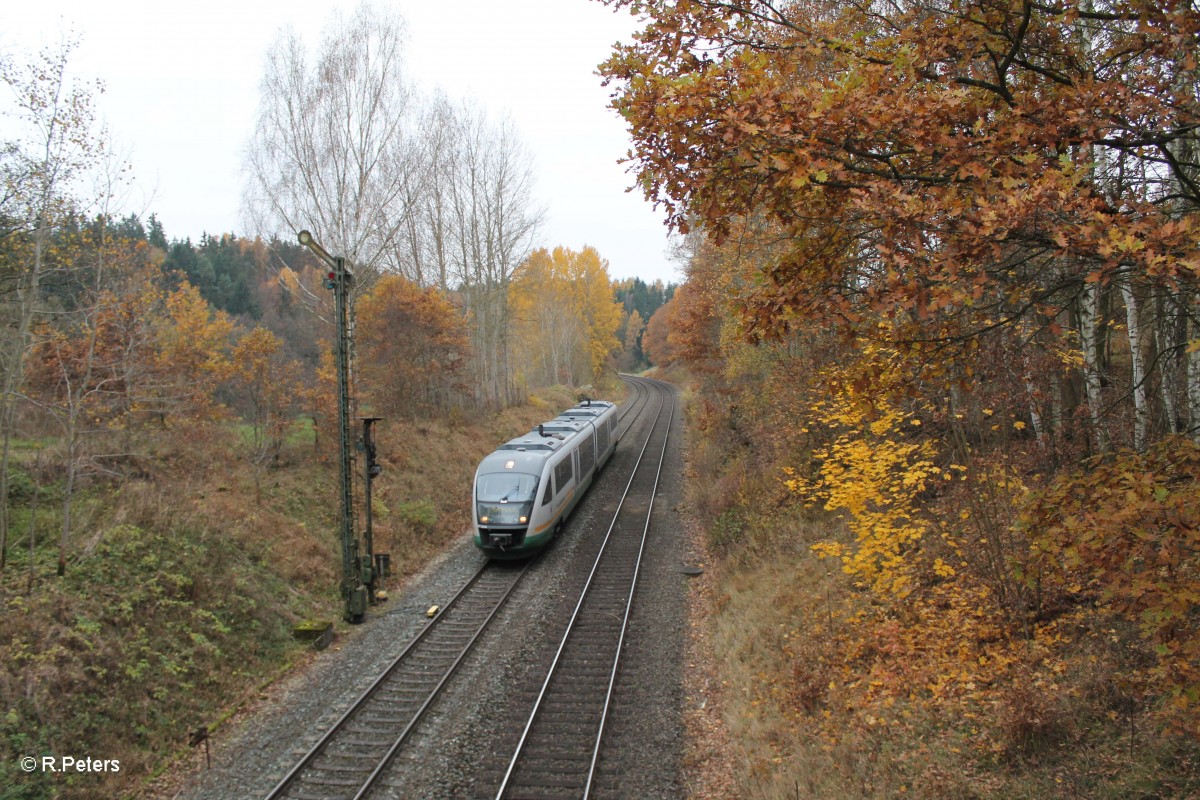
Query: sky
pixel 181 96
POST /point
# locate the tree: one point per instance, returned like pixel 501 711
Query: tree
pixel 191 359
pixel 415 349
pixel 950 249
pixel 80 365
pixel 563 303
pixel 435 192
pixel 333 148
pixel 957 174
pixel 267 386
pixel 494 223
pixel 656 341
pixel 634 326
pixel 40 169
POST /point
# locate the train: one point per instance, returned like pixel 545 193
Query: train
pixel 526 488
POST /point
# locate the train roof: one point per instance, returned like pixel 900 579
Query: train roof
pixel 584 411
pixel 531 450
pixel 590 408
pixel 529 453
pixel 560 425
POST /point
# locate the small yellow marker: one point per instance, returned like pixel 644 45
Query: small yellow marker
pixel 432 610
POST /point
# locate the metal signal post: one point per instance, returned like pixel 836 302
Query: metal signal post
pixel 340 279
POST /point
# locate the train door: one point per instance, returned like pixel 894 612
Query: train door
pixel 546 506
pixel 562 481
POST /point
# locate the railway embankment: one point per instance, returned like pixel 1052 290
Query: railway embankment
pixel 176 614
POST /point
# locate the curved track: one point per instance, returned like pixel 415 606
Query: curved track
pixel 561 744
pixel 352 756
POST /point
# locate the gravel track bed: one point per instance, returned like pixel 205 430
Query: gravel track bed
pixel 462 747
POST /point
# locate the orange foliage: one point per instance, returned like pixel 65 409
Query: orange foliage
pixel 1123 539
pixel 656 341
pixel 412 349
pixel 192 357
pixel 269 385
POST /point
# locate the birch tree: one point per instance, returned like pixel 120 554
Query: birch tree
pixel 493 224
pixel 333 150
pixel 54 145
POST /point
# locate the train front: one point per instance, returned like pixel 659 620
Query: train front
pixel 506 485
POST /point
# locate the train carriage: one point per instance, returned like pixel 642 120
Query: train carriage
pixel 526 489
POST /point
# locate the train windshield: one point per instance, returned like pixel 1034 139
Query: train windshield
pixel 505 498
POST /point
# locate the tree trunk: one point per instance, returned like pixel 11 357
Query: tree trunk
pixel 1141 405
pixel 1090 321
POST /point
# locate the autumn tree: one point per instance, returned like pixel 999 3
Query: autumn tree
pixel 642 299
pixel 960 246
pixel 630 334
pixel 190 361
pixel 267 383
pixel 568 318
pixel 415 350
pixel 655 341
pixel 957 174
pixel 55 143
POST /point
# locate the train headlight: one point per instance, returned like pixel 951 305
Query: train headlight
pixel 483 519
pixel 522 518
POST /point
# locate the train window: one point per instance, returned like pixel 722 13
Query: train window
pixel 602 435
pixel 587 455
pixel 549 490
pixel 562 474
pixel 506 487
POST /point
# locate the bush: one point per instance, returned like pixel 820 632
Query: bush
pixel 420 514
pixel 20 485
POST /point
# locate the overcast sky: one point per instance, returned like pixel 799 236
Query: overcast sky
pixel 182 95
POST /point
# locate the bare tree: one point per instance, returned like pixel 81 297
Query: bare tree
pixel 493 230
pixel 333 150
pixel 436 192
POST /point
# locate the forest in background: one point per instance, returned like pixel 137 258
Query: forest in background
pixel 942 315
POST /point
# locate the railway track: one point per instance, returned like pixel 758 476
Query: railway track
pixel 353 755
pixel 560 747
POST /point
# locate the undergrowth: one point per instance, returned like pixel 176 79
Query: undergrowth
pixel 832 690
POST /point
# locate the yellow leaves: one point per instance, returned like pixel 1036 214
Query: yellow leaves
pixel 943 569
pixel 875 472
pixel 566 316
pixel 829 550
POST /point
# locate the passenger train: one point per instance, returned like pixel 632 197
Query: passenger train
pixel 527 487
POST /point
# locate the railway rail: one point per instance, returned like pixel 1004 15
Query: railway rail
pixel 351 757
pixel 559 750
pixel 353 754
